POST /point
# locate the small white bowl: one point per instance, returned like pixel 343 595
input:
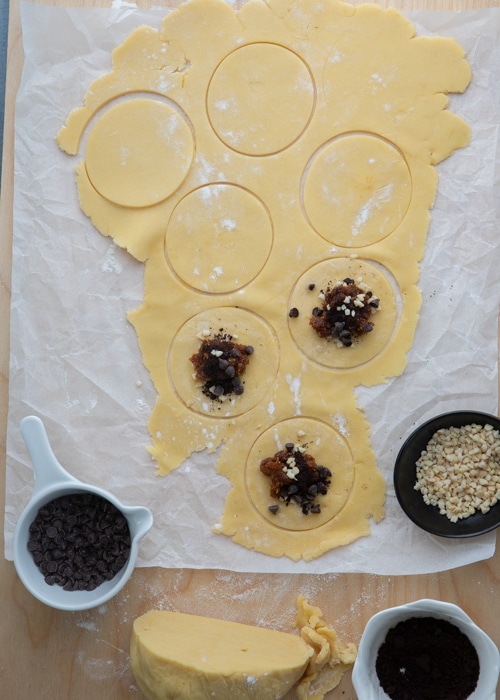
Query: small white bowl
pixel 364 675
pixel 52 481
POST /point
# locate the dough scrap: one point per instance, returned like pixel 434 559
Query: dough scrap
pixel 176 656
pixel 368 100
pixel 331 658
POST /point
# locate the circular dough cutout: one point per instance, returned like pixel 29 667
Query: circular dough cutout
pixel 246 328
pixel 260 99
pixel 218 238
pixel 139 152
pixel 328 447
pixel 327 273
pixel 357 190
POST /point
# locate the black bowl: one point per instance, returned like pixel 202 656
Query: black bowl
pixel 426 516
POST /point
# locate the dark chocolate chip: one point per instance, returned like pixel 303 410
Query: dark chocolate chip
pixel 67 530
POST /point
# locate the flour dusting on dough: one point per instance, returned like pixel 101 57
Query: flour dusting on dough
pixel 381 196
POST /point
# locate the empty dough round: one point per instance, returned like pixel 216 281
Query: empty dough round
pixel 328 447
pixel 328 272
pixel 246 328
pixel 218 238
pixel 255 110
pixel 139 152
pixel 357 190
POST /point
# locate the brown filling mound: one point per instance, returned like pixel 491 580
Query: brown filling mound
pixel 346 313
pixel 296 478
pixel 220 364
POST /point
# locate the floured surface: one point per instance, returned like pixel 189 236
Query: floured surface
pixel 219 487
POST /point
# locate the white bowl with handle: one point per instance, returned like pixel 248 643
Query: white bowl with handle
pixel 53 481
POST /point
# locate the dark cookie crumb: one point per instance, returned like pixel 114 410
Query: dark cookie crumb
pixel 296 478
pixel 427 658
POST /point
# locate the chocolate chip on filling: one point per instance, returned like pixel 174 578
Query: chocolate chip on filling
pixel 345 313
pixel 219 365
pixel 296 478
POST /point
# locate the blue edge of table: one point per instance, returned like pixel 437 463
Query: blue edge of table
pixel 4 24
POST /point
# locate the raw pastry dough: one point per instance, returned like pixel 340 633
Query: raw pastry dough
pixel 245 328
pixel 239 105
pixel 329 449
pixel 314 130
pixel 138 153
pixel 175 656
pixel 331 658
pixel 228 233
pixel 357 206
pixel 367 348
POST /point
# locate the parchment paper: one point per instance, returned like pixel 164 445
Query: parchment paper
pixel 75 360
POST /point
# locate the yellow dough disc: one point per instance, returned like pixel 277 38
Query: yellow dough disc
pixel 325 351
pixel 139 152
pixel 246 328
pixel 218 238
pixel 357 190
pixel 255 110
pixel 329 449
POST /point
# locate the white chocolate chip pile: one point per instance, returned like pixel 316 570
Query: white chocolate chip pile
pixel 459 471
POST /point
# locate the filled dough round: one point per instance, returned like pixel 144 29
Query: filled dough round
pixel 139 152
pixel 329 449
pixel 218 238
pixel 246 328
pixel 325 351
pixel 255 110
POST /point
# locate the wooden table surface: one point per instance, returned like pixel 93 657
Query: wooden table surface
pixel 46 653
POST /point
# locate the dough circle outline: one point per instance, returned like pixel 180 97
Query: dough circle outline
pixel 139 152
pixel 214 222
pixel 255 111
pixel 323 351
pixel 247 328
pixel 356 189
pixel 327 446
